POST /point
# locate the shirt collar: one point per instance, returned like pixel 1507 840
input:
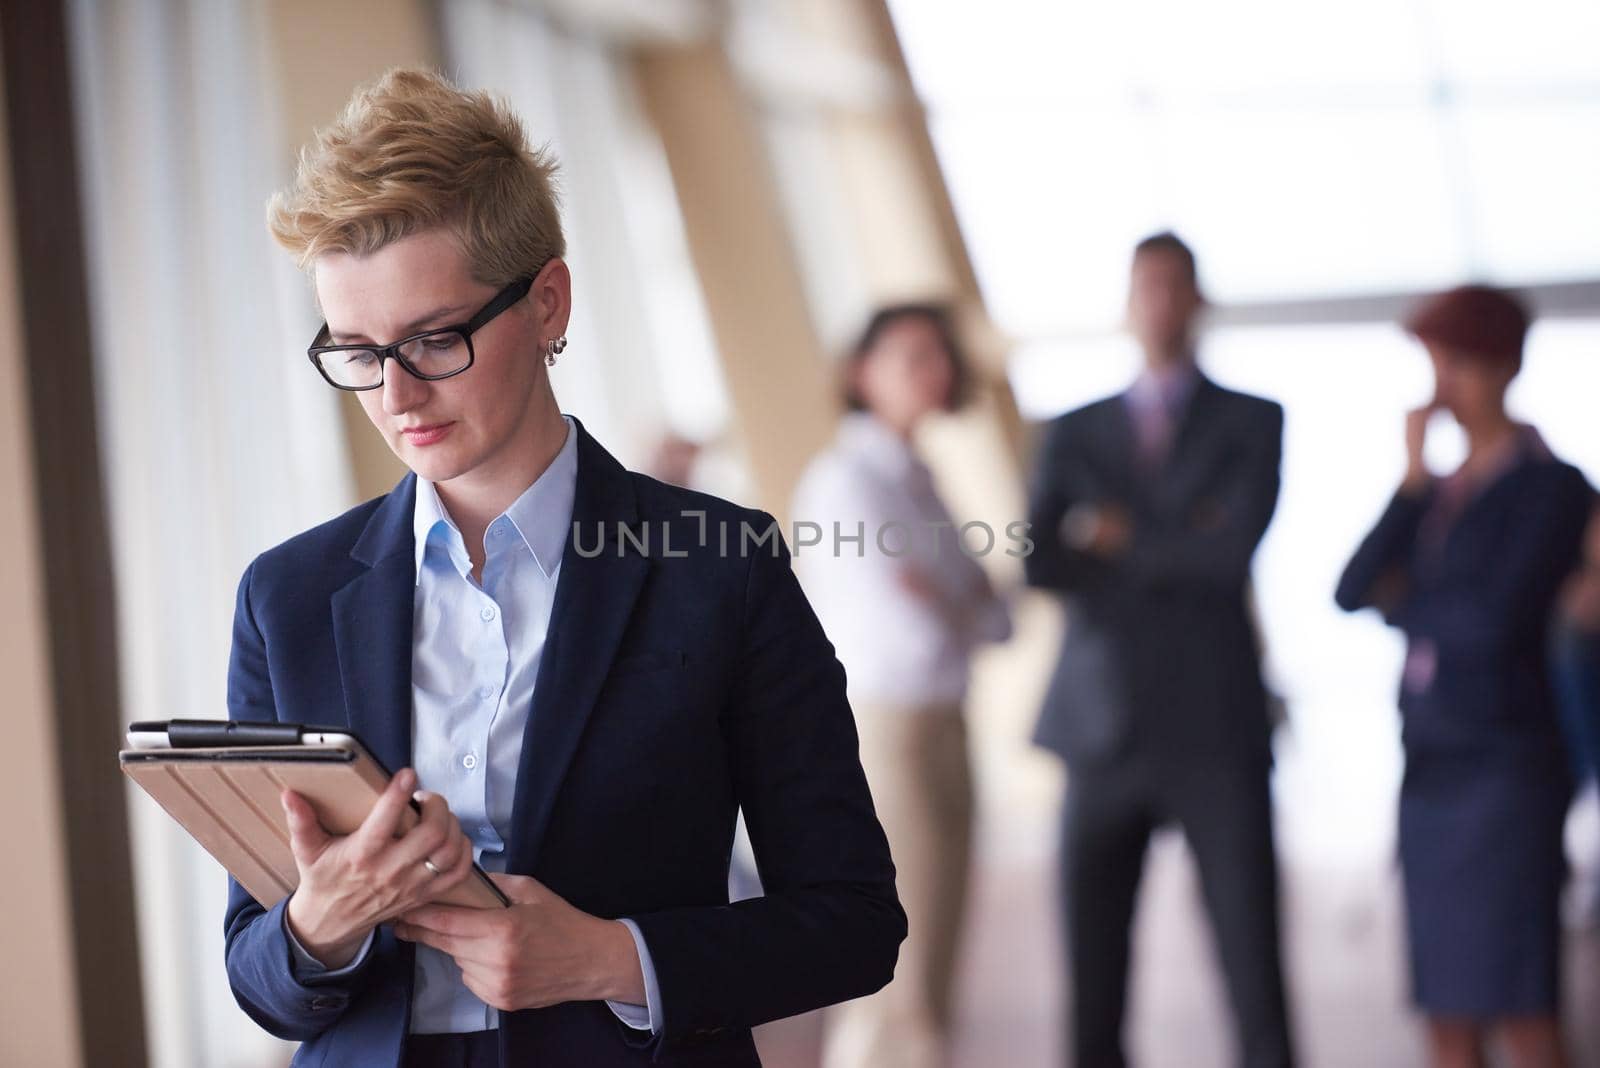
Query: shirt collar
pixel 1168 388
pixel 873 440
pixel 431 522
pixel 541 516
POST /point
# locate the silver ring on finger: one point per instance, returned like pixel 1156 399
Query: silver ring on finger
pixel 433 868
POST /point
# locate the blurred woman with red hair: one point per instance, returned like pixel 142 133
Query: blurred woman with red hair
pixel 1469 567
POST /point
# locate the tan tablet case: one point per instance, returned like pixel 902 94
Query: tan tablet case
pixel 228 800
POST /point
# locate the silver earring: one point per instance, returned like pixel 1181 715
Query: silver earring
pixel 553 348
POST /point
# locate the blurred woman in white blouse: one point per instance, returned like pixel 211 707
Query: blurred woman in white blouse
pixel 905 605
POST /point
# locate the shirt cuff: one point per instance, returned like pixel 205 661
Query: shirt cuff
pixel 646 1017
pixel 308 969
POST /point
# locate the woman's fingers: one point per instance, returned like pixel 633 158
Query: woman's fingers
pixel 431 834
pixel 307 838
pixel 458 872
pixel 383 822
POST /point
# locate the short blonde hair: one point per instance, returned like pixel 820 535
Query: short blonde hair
pixel 411 152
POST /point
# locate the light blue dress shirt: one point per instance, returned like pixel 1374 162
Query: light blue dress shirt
pixel 475 656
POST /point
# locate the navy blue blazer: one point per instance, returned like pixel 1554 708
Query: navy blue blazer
pixel 1481 598
pixel 1161 655
pixel 679 683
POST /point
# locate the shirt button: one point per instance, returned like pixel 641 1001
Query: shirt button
pixel 486 692
pixel 469 761
pixel 487 615
pixel 497 531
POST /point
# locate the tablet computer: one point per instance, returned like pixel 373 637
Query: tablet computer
pixel 221 779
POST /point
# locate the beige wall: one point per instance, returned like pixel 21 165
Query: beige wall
pixel 38 988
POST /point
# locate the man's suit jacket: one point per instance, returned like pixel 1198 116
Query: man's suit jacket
pixel 1160 654
pixel 679 682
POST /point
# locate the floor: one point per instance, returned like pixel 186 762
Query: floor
pixel 1344 960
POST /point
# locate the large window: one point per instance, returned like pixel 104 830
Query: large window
pixel 1315 154
pixel 1307 149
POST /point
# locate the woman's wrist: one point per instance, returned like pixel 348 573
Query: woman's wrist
pixel 308 924
pixel 621 975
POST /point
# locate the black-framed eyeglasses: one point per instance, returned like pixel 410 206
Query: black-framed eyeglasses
pixel 430 355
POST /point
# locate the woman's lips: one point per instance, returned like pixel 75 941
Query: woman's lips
pixel 426 435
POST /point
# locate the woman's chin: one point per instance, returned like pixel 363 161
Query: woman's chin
pixel 431 463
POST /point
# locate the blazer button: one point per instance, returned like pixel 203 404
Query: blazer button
pixel 323 1002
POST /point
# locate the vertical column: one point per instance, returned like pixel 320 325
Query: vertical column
pixel 37 1025
pixel 978 455
pixel 911 239
pixel 777 378
pixel 70 993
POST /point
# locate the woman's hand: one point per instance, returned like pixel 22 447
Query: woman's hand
pixel 1103 530
pixel 1417 474
pixel 917 584
pixel 541 951
pixel 349 884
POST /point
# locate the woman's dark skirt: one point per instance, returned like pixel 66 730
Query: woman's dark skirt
pixel 1481 833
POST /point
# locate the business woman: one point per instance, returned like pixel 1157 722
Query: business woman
pixel 907 607
pixel 579 679
pixel 1468 566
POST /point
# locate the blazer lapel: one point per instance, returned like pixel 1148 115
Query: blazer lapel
pixel 372 620
pixel 1126 481
pixel 594 598
pixel 1194 421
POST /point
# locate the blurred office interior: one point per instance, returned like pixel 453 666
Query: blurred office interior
pixel 743 181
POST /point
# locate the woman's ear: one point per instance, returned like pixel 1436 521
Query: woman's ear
pixel 854 391
pixel 551 299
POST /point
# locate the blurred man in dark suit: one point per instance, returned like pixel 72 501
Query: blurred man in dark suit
pixel 1146 512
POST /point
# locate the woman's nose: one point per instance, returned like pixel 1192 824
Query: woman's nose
pixel 401 389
